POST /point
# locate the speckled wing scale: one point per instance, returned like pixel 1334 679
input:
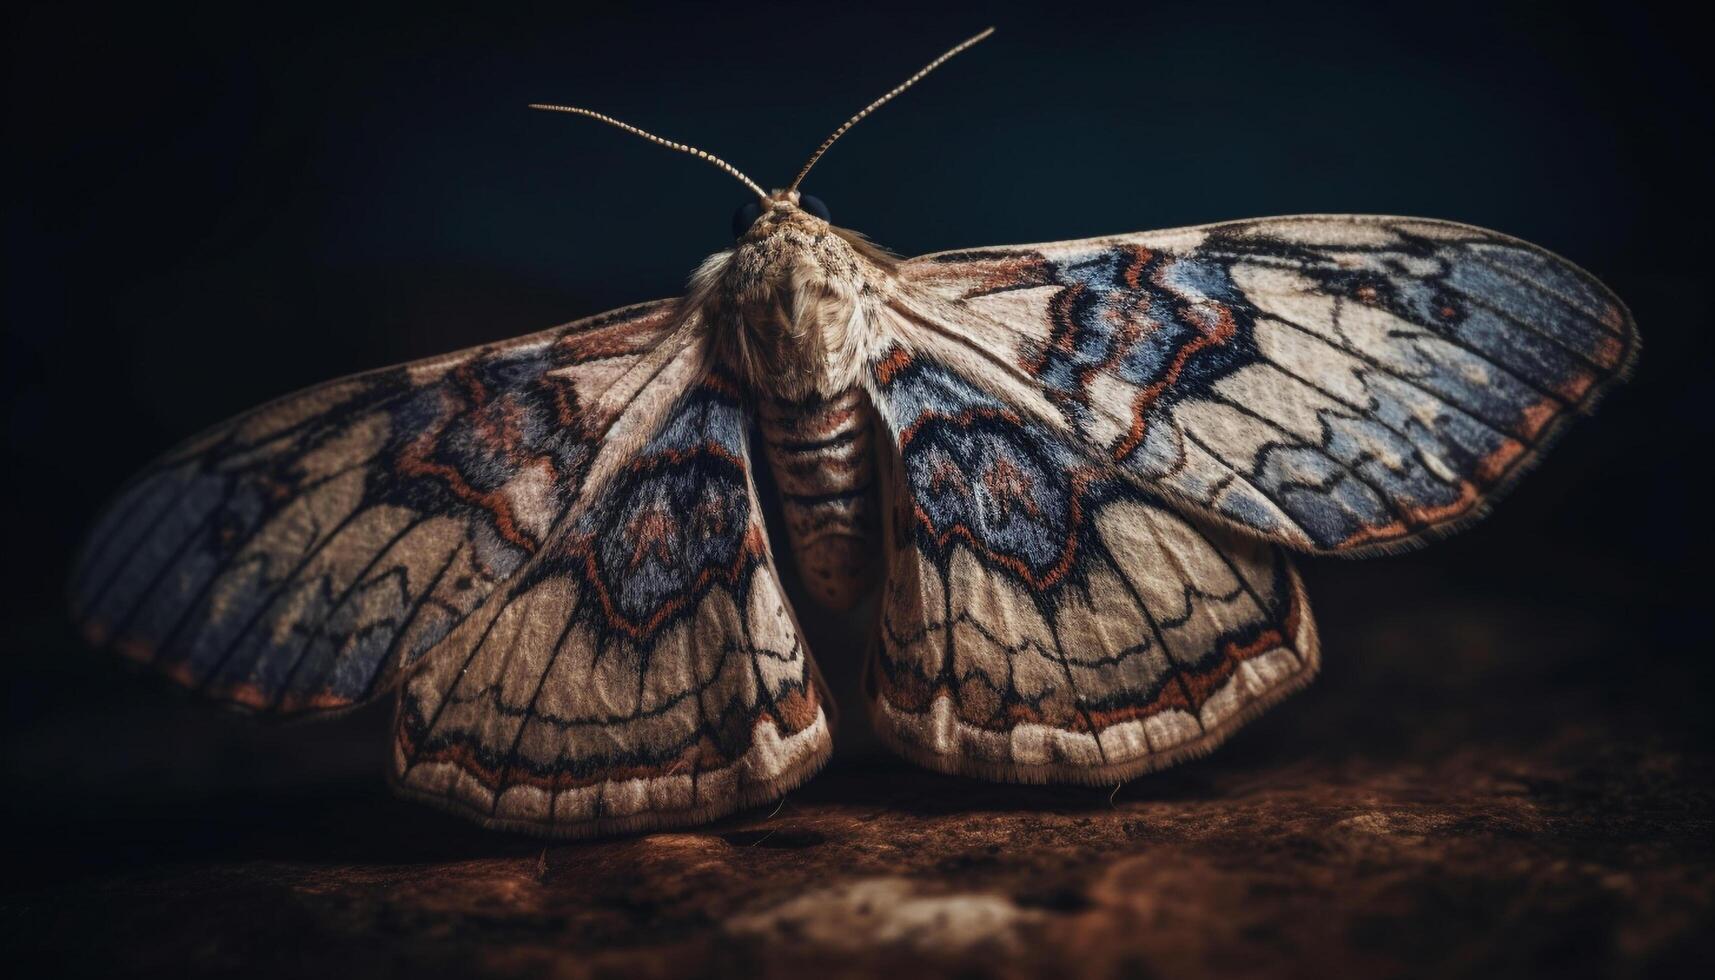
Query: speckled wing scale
pixel 1103 446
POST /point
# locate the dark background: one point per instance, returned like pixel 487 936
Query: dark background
pixel 210 206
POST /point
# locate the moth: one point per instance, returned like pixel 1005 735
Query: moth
pixel 1077 471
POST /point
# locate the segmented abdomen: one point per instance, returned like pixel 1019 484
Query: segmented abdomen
pixel 821 455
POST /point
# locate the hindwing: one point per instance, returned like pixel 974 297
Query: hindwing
pixel 1045 619
pixel 645 670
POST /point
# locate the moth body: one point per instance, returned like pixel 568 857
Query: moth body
pixel 822 454
pixel 798 304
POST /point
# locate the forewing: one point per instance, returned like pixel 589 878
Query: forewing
pixel 1336 383
pixel 643 671
pixel 1045 619
pixel 297 556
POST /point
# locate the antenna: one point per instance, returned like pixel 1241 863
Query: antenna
pixel 669 144
pixel 878 103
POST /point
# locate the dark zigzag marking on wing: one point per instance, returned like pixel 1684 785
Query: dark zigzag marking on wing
pixel 590 767
pixel 427 741
pixel 1439 398
pixel 1193 661
pixel 1444 252
pixel 490 694
pixel 1533 447
pixel 238 550
pixel 1418 334
pixel 1426 332
pixel 408 600
pixel 1190 594
pixel 1478 246
pixel 441 705
pixel 1174 670
pixel 1046 611
pixel 1279 566
pixel 1371 413
pixel 1173 675
pixel 505 780
pixel 1448 258
pixel 1351 468
pixel 765 697
pixel 1009 694
pixel 320 628
pixel 274 594
pixel 398 578
pixel 423 599
pixel 1498 427
pixel 217 508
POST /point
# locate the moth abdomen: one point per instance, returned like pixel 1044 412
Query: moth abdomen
pixel 821 451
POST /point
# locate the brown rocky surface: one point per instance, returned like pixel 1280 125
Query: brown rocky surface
pixel 1477 786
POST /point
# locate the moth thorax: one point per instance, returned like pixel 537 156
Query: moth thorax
pixel 793 302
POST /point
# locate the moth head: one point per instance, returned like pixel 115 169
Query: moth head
pixel 780 209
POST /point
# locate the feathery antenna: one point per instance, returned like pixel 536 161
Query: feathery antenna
pixel 878 103
pixel 669 144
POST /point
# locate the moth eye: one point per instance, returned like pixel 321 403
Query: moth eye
pixel 744 217
pixel 814 205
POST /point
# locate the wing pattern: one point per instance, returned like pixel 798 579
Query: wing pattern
pixel 645 670
pixel 1047 619
pixel 1099 450
pixel 1339 384
pixel 293 558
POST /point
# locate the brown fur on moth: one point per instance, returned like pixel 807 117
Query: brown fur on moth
pixel 795 302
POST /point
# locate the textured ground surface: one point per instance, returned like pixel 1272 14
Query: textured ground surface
pixel 1476 786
